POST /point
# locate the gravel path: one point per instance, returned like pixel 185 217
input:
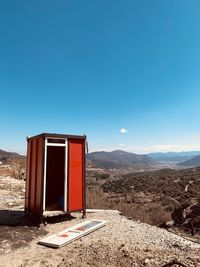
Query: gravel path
pixel 121 242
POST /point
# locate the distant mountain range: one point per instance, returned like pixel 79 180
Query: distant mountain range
pixel 173 157
pixel 120 159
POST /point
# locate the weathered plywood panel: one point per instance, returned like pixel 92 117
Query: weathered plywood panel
pixel 72 233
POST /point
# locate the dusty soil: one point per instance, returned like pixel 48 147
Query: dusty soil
pixel 121 242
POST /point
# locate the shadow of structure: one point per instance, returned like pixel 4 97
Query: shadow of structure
pixel 23 218
pixel 18 228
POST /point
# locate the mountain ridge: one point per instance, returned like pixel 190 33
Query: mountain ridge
pixel 120 159
pixel 5 155
pixel 173 157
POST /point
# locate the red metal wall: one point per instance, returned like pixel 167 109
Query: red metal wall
pixel 75 174
pixel 34 176
pixel 28 170
pixel 39 177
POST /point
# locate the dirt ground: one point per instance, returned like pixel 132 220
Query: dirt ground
pixel 121 242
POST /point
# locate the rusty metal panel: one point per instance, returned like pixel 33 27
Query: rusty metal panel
pixel 33 174
pixel 39 176
pixel 28 171
pixel 75 175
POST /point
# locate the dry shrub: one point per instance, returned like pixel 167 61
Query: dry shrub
pixel 18 167
pixel 158 214
pixel 95 198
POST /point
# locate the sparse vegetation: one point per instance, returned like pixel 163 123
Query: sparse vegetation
pixel 18 165
pixel 149 197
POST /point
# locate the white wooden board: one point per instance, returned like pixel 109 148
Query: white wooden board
pixel 72 233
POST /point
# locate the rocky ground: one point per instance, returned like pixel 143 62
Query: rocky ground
pixel 121 242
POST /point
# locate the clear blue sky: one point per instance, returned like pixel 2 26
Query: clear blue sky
pixel 95 67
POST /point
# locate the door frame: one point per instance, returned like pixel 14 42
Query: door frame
pixel 65 169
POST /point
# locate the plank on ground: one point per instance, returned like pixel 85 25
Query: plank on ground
pixel 70 234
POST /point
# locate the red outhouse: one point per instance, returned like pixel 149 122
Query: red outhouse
pixel 55 175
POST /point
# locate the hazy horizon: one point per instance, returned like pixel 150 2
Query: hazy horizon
pixel 123 149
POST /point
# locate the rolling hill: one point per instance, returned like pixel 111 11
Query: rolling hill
pixel 194 162
pixel 5 155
